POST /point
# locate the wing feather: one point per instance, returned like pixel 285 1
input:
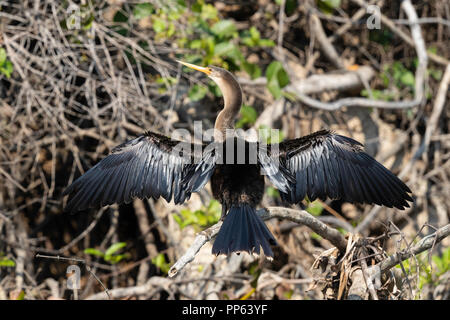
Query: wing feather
pixel 151 165
pixel 325 164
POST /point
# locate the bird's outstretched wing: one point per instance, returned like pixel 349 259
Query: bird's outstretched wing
pixel 152 165
pixel 325 164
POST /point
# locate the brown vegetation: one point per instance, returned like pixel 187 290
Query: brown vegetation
pixel 74 94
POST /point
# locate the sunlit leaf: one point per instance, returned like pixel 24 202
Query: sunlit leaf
pixel 94 252
pixel 277 78
pixel 114 248
pixel 197 92
pixel 159 25
pixel 315 208
pixel 4 262
pixel 2 56
pixel 142 10
pixel 224 28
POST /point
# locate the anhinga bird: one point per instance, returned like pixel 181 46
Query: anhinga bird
pixel 320 165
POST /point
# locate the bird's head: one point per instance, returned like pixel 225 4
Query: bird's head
pixel 215 73
pixel 231 91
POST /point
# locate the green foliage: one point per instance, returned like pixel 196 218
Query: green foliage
pixel 143 10
pixel 316 236
pixel 252 38
pixel 206 39
pixel 164 83
pixel 5 262
pixel 248 116
pixel 269 135
pixel 442 262
pixel 398 75
pixel 111 254
pixel 6 66
pixel 428 275
pixel 21 295
pixel 328 6
pixel 255 271
pixel 385 94
pixel 277 78
pixel 197 92
pixel 315 208
pixel 394 75
pixel 224 29
pixel 204 217
pixel 289 6
pixel 218 42
pixel 436 74
pixel 272 192
pixel 382 36
pixel 161 263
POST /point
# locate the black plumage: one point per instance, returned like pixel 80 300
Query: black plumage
pixel 336 167
pixel 321 165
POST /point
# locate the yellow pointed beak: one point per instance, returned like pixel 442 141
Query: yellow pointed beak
pixel 195 67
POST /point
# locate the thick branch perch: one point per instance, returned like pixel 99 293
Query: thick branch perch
pixel 299 216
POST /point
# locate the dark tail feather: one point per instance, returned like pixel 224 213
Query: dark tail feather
pixel 243 230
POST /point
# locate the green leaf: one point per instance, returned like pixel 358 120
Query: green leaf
pixel 224 48
pixel 328 6
pixel 114 248
pixel 203 217
pixel 197 92
pixel 269 135
pixel 88 23
pixel 288 294
pixel 159 25
pixel 2 56
pixel 195 44
pixel 266 43
pixel 142 10
pixel 228 50
pixel 21 295
pixel 254 34
pixel 94 252
pixel 407 78
pixel 4 262
pixel 249 113
pixel 160 262
pixel 315 208
pixel 290 7
pixel 214 207
pixel 248 116
pixel 252 69
pixel 214 88
pixel 435 73
pixel 274 88
pixel 119 17
pixel 208 12
pixel 315 236
pixel 7 69
pixel 272 192
pixel 277 78
pixel 224 28
pixel 171 30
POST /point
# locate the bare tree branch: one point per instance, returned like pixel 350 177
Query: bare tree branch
pixel 298 216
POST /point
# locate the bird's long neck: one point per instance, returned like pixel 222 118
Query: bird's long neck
pixel 232 97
